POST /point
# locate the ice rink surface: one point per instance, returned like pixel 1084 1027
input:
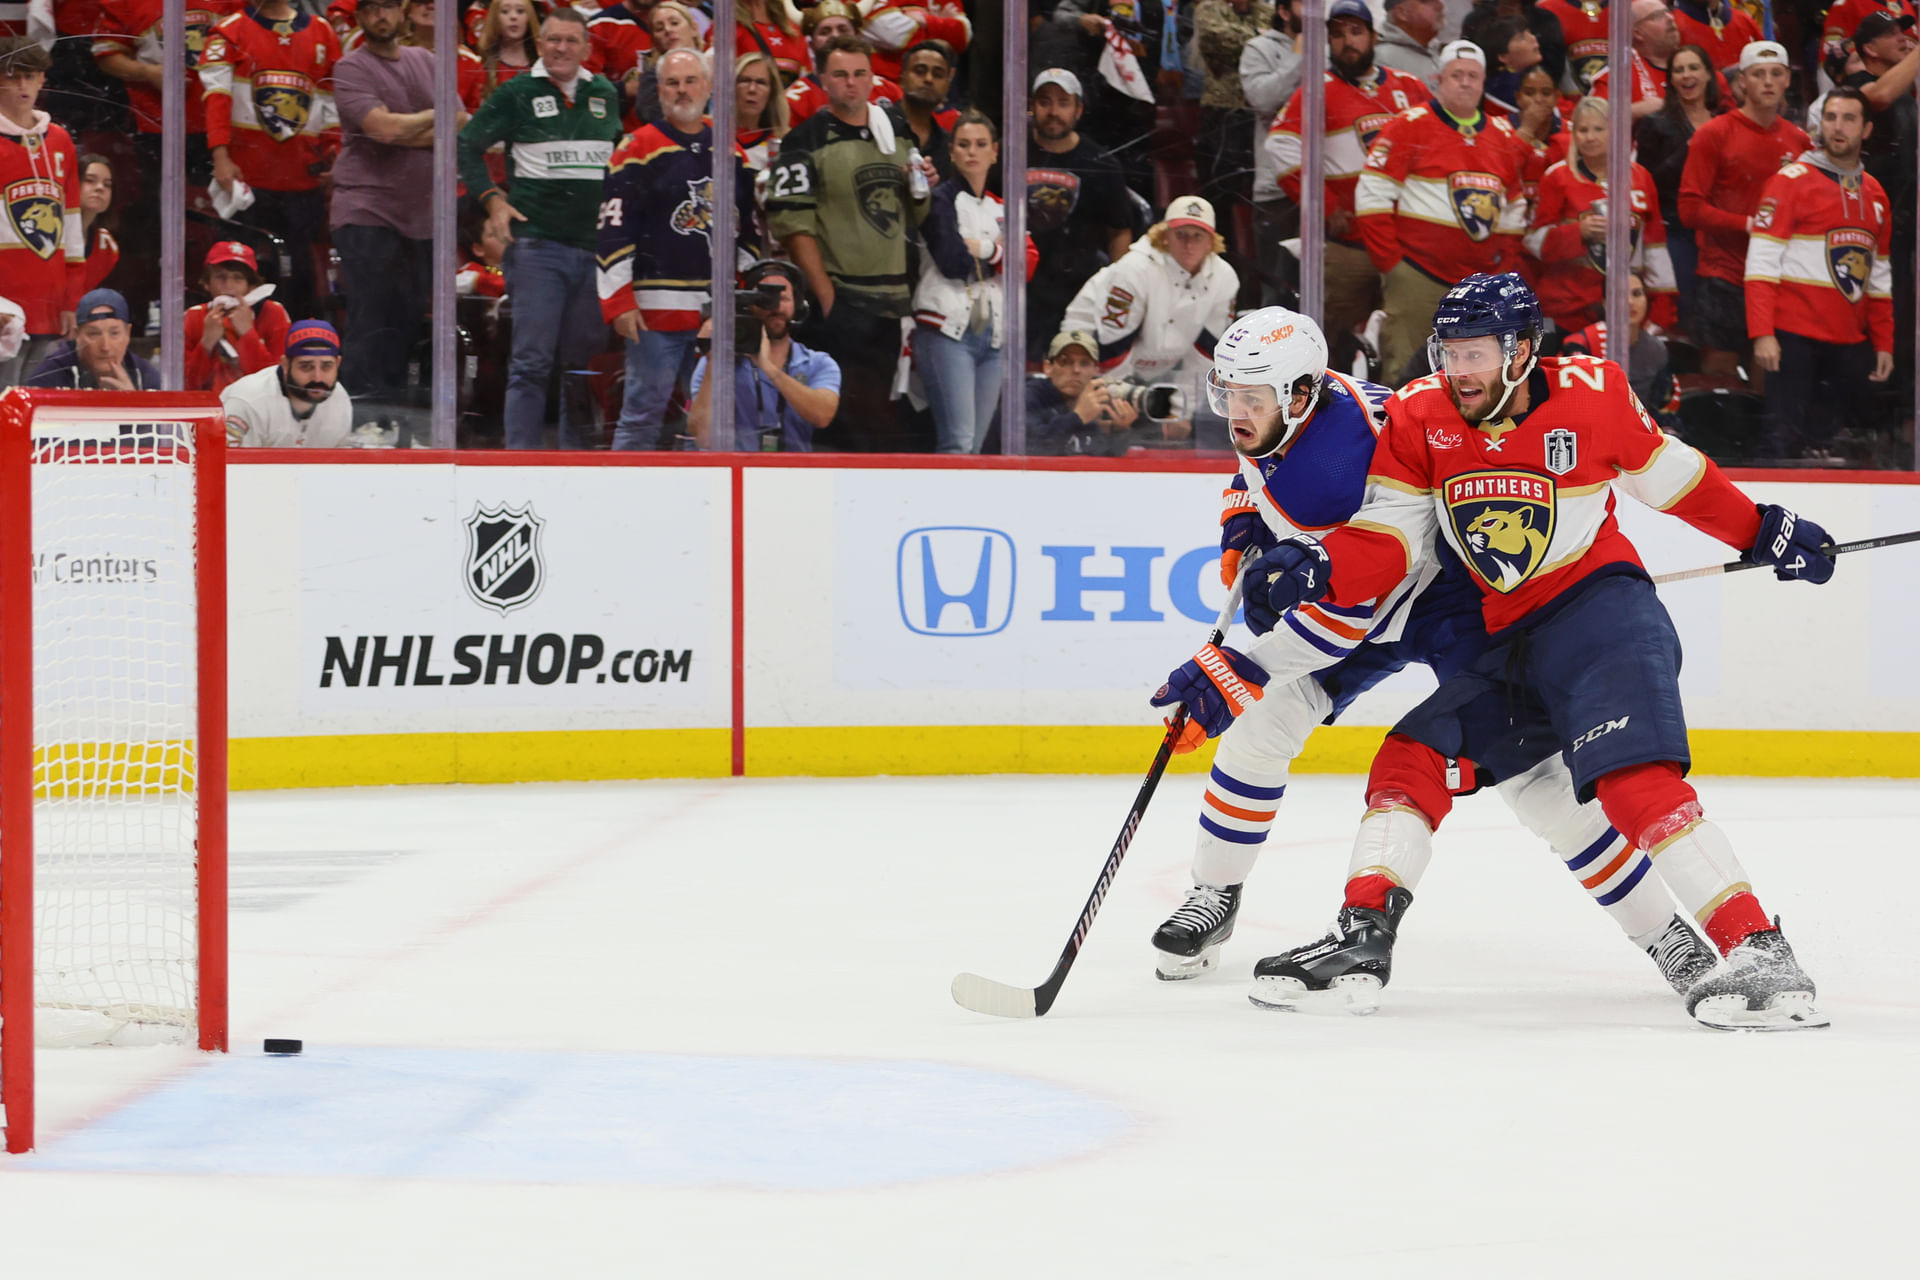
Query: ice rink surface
pixel 692 1029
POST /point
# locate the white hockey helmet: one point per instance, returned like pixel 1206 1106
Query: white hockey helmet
pixel 1272 347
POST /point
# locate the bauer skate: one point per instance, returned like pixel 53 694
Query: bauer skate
pixel 1761 987
pixel 1188 944
pixel 1344 972
pixel 1684 958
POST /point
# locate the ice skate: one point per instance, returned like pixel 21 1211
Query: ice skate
pixel 1683 956
pixel 1188 943
pixel 1761 987
pixel 1344 972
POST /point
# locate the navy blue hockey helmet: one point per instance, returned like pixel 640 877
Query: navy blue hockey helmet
pixel 1483 306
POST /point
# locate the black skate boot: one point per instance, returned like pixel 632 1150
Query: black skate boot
pixel 1683 956
pixel 1188 944
pixel 1761 987
pixel 1343 972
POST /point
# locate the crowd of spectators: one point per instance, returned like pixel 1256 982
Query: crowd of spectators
pixel 1772 209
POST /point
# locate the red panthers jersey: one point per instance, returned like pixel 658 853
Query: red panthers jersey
pixel 1573 274
pixel 1585 27
pixel 894 26
pixel 42 253
pixel 1528 503
pixel 805 97
pixel 269 97
pixel 1356 113
pixel 132 27
pixel 1722 35
pixel 1817 262
pixel 1444 196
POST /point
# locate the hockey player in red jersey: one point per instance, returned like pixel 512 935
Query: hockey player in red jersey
pixel 267 74
pixel 1513 461
pixel 42 254
pixel 1438 200
pixel 1819 284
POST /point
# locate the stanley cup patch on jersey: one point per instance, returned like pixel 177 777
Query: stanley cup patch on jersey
pixel 282 100
pixel 1850 261
pixel 38 211
pixel 1562 449
pixel 1476 202
pixel 1502 524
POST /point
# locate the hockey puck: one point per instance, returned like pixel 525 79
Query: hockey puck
pixel 282 1048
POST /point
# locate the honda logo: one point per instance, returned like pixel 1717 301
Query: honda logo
pixel 956 580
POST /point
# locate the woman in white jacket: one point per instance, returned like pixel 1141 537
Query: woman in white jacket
pixel 957 339
pixel 1158 311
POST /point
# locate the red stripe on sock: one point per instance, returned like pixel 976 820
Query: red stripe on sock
pixel 1368 891
pixel 1734 919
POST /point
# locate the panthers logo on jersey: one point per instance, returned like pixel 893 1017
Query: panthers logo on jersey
pixel 282 100
pixel 877 187
pixel 1476 202
pixel 694 215
pixel 38 209
pixel 1368 127
pixel 1502 524
pixel 1850 261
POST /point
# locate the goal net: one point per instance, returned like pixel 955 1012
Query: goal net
pixel 112 727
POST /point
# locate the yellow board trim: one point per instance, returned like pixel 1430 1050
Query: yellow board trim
pixel 830 752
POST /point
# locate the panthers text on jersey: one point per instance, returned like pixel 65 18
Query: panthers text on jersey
pixel 1527 503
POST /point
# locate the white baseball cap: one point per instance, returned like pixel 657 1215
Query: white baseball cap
pixel 1060 76
pixel 1463 49
pixel 1190 211
pixel 1763 51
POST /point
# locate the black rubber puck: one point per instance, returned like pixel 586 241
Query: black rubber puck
pixel 284 1048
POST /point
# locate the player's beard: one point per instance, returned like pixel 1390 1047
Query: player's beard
pixel 1482 405
pixel 1265 440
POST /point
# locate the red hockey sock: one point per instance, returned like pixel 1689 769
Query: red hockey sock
pixel 1368 891
pixel 1734 919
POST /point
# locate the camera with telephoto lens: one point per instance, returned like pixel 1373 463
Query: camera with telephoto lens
pixel 750 309
pixel 1160 401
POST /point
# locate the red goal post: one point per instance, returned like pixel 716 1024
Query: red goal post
pixel 113 727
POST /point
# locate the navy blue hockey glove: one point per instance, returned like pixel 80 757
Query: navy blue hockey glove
pixel 1293 573
pixel 1217 684
pixel 1795 546
pixel 1242 532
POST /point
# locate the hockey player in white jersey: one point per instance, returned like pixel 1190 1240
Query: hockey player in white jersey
pixel 1306 437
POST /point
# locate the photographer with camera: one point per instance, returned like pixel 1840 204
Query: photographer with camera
pixel 656 263
pixel 782 391
pixel 1069 410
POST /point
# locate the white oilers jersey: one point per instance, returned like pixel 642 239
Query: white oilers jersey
pixel 1314 486
pixel 260 417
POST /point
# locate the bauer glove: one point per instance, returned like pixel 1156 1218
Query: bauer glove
pixel 1295 572
pixel 1795 546
pixel 1216 685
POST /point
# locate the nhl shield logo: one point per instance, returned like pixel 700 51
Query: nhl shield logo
pixel 1563 451
pixel 282 100
pixel 37 209
pixel 505 568
pixel 1502 524
pixel 1850 261
pixel 1476 202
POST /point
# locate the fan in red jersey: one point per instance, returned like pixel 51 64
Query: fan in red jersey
pixel 41 256
pixel 1514 462
pixel 826 22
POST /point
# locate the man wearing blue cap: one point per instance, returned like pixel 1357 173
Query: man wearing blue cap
pixel 296 404
pixel 97 359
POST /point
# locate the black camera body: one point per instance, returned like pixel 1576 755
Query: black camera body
pixel 750 306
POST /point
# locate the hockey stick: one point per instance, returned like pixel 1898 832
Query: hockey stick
pixel 1832 549
pixel 983 995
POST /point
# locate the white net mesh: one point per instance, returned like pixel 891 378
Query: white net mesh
pixel 114 641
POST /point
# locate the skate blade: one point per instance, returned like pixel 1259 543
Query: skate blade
pixel 1788 1011
pixel 1171 968
pixel 1354 993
